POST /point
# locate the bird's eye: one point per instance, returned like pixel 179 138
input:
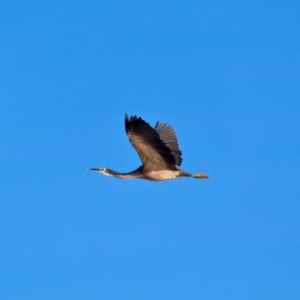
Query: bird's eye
pixel 102 169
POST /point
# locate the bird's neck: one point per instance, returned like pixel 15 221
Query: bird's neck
pixel 130 175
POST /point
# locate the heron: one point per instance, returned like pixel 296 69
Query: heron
pixel 158 150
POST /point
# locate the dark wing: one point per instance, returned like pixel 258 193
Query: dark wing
pixel 153 152
pixel 168 136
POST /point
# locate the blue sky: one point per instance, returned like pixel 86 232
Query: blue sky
pixel 224 74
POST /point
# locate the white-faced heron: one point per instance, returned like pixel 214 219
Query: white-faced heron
pixel 158 150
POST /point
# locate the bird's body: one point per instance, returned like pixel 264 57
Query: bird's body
pixel 158 150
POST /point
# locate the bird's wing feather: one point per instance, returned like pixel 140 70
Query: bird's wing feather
pixel 153 152
pixel 168 136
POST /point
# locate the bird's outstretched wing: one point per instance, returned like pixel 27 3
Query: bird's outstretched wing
pixel 168 136
pixel 153 151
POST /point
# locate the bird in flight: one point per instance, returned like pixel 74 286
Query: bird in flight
pixel 158 150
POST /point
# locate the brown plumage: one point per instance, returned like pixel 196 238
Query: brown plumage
pixel 158 150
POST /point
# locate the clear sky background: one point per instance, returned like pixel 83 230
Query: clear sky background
pixel 224 74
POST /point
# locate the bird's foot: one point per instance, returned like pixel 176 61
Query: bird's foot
pixel 201 176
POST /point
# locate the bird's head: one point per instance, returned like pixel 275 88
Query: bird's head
pixel 103 171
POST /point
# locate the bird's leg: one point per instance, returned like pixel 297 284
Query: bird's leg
pixel 200 175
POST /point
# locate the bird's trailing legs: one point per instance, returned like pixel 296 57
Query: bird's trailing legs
pixel 200 175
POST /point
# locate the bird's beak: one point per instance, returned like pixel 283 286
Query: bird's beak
pixel 93 169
